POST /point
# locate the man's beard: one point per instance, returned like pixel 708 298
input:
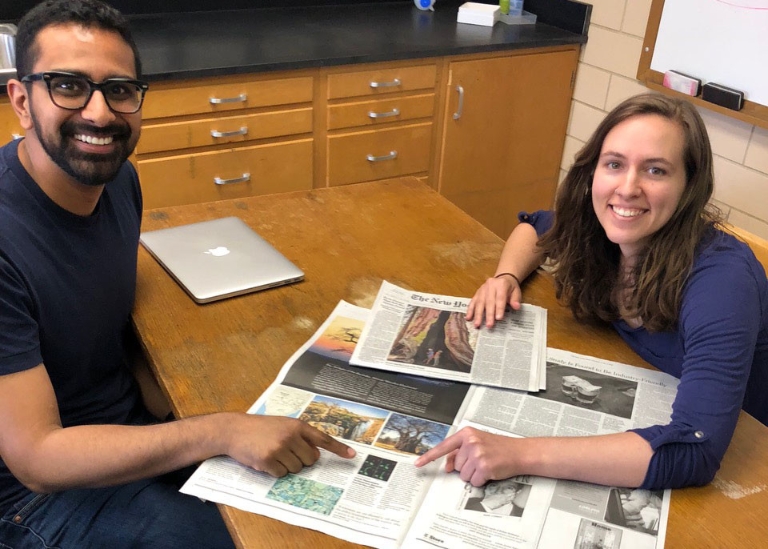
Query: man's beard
pixel 91 169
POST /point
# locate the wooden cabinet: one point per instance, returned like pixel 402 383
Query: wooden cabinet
pixel 226 138
pixel 9 122
pixel 493 148
pixel 503 133
pixel 379 122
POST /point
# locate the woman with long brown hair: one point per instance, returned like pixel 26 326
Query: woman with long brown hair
pixel 635 242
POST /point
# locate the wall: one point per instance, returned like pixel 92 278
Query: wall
pixel 606 76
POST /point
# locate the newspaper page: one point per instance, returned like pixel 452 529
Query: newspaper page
pixel 527 512
pixel 427 335
pixel 584 396
pixel 389 418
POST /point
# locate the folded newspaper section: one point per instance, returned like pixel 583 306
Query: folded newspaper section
pixel 427 335
pixel 380 499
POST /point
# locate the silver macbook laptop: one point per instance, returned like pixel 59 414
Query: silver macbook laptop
pixel 221 258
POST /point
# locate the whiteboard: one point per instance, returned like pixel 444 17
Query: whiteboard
pixel 722 41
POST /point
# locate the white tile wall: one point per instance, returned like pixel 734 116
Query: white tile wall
pixel 607 13
pixel 622 88
pixel 591 86
pixel 636 17
pixel 607 76
pixel 757 151
pixel 729 137
pixel 613 51
pixel 741 188
pixel 572 147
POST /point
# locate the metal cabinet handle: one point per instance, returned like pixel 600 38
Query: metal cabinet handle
pixel 242 179
pixel 391 84
pixel 393 112
pixel 242 98
pixel 458 112
pixel 233 133
pixel 391 156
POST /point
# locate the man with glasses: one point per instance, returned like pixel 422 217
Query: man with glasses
pixel 83 462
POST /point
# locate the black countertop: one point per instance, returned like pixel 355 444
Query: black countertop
pixel 214 43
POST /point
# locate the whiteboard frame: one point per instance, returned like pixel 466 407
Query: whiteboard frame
pixel 752 113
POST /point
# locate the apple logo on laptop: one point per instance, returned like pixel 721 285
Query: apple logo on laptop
pixel 218 251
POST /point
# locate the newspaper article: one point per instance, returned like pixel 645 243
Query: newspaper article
pixel 378 497
pixel 427 335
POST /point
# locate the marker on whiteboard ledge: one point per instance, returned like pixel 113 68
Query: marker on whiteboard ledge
pixel 723 96
pixel 682 83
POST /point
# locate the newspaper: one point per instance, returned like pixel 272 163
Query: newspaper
pixel 380 499
pixel 427 335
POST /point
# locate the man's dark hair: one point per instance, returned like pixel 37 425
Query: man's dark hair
pixel 88 13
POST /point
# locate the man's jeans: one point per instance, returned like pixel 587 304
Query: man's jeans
pixel 148 513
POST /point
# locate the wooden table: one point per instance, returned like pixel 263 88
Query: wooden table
pixel 223 355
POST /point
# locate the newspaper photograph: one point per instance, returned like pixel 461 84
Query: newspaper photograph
pixel 534 512
pixel 584 396
pixel 389 418
pixel 427 335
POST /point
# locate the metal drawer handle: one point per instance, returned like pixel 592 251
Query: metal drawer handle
pixel 458 112
pixel 391 156
pixel 393 112
pixel 391 84
pixel 242 98
pixel 241 131
pixel 242 179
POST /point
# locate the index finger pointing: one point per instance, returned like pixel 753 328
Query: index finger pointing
pixel 327 442
pixel 450 444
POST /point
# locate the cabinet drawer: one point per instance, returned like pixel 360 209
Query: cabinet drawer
pixel 392 152
pixel 380 111
pixel 190 179
pixel 230 129
pixel 378 81
pixel 226 96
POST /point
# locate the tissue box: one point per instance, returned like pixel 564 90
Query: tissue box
pixel 475 13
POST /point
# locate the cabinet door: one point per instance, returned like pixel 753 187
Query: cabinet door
pixel 9 124
pixel 504 134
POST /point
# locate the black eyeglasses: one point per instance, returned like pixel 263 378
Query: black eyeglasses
pixel 73 91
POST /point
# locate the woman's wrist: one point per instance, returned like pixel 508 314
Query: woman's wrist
pixel 510 275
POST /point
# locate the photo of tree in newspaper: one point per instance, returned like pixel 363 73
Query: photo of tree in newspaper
pixel 499 497
pixel 344 419
pixel 435 338
pixel 411 435
pixel 339 339
pixel 590 390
